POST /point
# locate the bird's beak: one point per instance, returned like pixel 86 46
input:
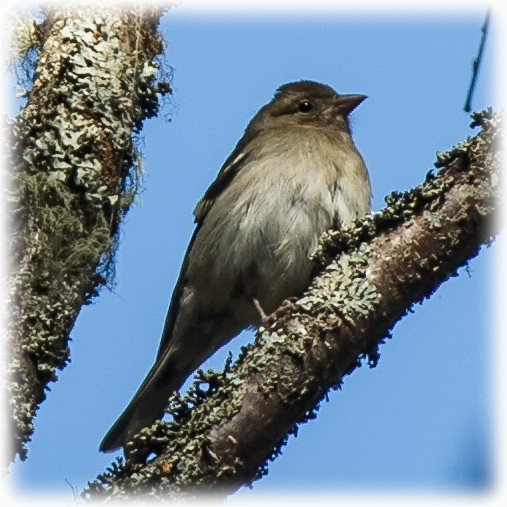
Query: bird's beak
pixel 345 104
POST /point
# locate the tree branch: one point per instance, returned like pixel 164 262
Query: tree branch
pixel 368 276
pixel 74 175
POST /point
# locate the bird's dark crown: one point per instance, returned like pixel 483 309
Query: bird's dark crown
pixel 312 88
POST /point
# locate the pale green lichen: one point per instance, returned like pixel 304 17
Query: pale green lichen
pixel 75 173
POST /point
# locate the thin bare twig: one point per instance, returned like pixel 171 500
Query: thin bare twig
pixel 476 64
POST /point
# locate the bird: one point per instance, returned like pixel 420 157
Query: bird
pixel 294 174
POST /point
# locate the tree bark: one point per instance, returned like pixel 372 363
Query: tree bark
pixel 368 276
pixel 74 175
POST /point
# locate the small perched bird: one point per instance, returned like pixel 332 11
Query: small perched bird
pixel 294 174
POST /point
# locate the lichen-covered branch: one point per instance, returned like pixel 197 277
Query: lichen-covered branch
pixel 74 174
pixel 368 276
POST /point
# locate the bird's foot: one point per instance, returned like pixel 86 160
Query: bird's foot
pixel 269 320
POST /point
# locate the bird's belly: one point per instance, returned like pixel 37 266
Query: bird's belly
pixel 278 264
pixel 261 248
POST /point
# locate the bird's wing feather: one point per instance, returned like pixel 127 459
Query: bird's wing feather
pixel 231 167
pixel 170 319
pixel 226 174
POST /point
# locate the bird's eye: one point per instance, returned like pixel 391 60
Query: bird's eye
pixel 305 106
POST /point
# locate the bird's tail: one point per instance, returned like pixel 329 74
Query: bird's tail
pixel 146 406
pixel 116 435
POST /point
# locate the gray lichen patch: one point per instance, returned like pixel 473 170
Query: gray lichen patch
pixel 75 173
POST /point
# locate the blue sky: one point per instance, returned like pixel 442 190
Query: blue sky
pixel 422 421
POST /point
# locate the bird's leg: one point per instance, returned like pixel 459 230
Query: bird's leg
pixel 258 307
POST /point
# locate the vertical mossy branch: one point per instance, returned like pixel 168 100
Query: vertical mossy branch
pixel 368 275
pixel 74 174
